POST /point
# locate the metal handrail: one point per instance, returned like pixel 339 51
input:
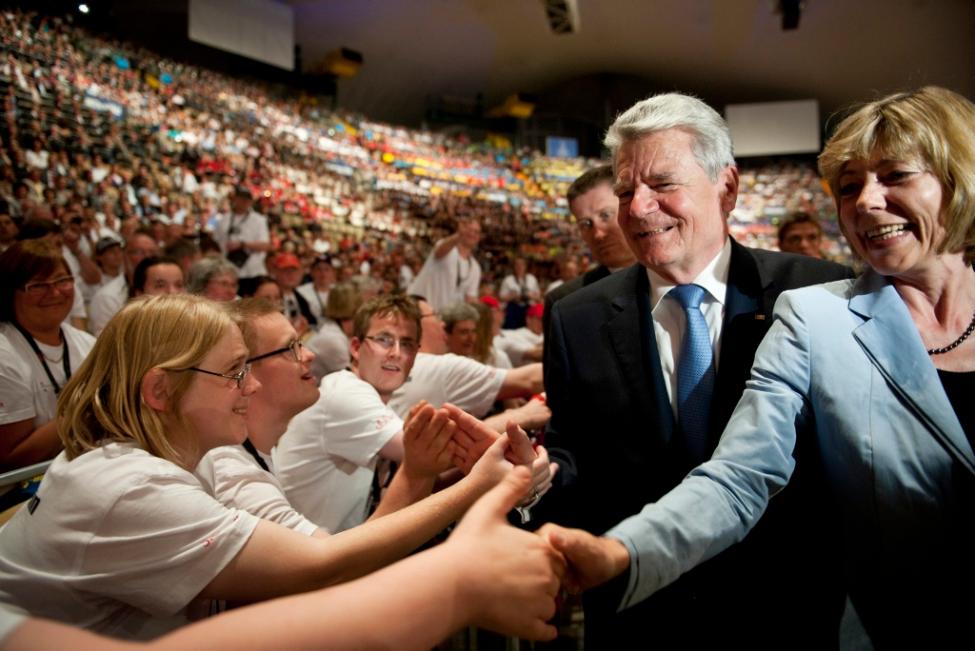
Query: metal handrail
pixel 20 474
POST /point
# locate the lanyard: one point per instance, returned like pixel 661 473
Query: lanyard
pixel 253 452
pixel 65 356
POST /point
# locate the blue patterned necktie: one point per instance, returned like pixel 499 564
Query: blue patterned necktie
pixel 695 372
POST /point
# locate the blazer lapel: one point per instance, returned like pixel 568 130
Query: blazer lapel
pixel 891 341
pixel 631 334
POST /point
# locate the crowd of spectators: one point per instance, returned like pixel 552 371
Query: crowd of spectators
pixel 119 135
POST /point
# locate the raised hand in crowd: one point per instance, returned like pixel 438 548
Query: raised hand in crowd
pixel 509 580
pixel 428 447
pixel 474 437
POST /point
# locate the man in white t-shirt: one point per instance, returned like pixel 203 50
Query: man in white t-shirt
pixel 243 234
pixel 327 461
pixel 524 345
pixel 440 377
pixel 110 298
pixel 240 476
pixel 451 273
pixel 316 292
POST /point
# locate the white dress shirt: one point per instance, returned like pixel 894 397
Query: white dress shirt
pixel 669 321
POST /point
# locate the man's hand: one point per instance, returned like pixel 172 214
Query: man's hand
pixel 510 576
pixel 592 560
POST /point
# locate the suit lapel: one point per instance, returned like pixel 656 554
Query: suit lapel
pixel 631 334
pixel 891 341
pixel 746 320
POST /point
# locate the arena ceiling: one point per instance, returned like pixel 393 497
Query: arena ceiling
pixel 723 50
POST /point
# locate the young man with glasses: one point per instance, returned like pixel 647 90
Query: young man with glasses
pixel 328 459
pixel 240 476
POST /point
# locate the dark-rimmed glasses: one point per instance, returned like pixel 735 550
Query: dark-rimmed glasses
pixel 295 347
pixel 237 377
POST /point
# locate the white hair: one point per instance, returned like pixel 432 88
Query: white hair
pixel 712 140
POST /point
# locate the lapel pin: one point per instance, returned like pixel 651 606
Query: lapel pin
pixel 759 317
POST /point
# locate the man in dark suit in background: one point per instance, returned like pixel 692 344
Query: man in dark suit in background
pixel 643 369
pixel 593 204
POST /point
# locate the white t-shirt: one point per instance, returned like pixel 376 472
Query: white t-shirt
pixel 9 620
pixel 558 282
pixel 331 347
pixel 106 302
pixel 517 343
pixel 88 291
pixel 78 306
pixel 498 358
pixel 316 300
pixel 25 390
pixel 327 459
pixel 406 276
pixel 461 381
pixel 119 542
pixel 249 228
pixel 450 279
pixel 230 474
pixel 512 290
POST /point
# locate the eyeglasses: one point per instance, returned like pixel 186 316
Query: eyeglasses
pixel 386 342
pixel 295 347
pixel 238 377
pixel 61 284
pixel 589 224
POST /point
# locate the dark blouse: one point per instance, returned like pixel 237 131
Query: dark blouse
pixel 960 388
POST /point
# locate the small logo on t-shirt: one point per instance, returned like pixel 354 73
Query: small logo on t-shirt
pixel 33 504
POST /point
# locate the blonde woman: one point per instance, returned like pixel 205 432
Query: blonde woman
pixel 123 539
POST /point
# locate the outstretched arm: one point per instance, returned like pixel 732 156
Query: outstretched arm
pixel 487 574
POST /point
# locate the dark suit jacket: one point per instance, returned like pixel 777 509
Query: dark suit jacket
pixel 614 433
pixel 563 290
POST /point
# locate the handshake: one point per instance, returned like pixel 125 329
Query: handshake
pixel 509 578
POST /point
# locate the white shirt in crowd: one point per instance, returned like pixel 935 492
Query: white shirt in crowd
pixel 231 474
pixel 251 227
pixel 461 381
pixel 331 347
pixel 406 276
pixel 10 619
pixel 26 391
pixel 78 310
pixel 523 290
pixel 106 302
pixel 516 343
pixel 328 457
pixel 450 279
pixel 498 358
pixel 316 300
pixel 118 542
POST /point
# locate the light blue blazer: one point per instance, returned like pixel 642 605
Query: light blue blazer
pixel 848 356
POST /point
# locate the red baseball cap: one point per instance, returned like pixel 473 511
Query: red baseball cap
pixel 286 260
pixel 491 302
pixel 536 310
